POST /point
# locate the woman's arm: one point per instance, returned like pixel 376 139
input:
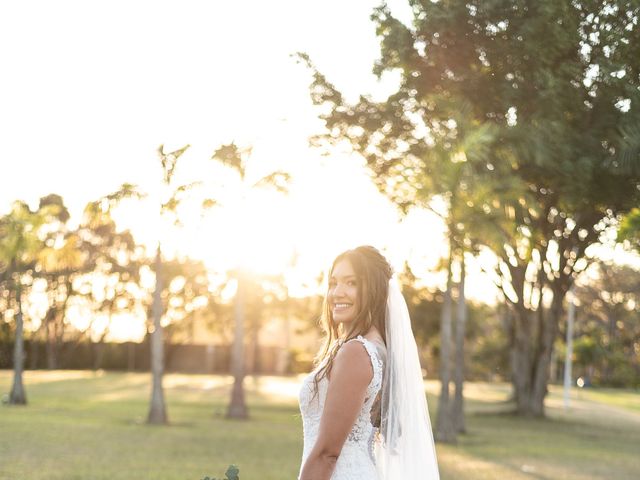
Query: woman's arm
pixel 351 374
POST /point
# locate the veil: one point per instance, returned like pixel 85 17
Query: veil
pixel 406 450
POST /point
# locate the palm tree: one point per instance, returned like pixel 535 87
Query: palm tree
pixel 450 171
pixel 237 159
pixel 19 248
pixel 458 374
pixel 171 199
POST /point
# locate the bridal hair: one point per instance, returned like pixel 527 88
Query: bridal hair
pixel 372 278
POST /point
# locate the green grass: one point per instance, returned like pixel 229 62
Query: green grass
pixel 629 399
pixel 81 425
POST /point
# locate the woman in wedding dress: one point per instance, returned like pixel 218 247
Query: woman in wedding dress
pixel 363 407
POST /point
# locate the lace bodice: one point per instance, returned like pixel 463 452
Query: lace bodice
pixel 356 460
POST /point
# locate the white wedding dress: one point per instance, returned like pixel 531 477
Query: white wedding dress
pixel 356 460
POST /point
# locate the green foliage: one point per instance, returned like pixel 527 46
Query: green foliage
pixel 514 113
pixel 607 331
pixel 486 342
pixel 586 350
pixel 232 473
pixel 20 242
pixel 629 229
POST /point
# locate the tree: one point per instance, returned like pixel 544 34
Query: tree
pixel 185 296
pixel 556 83
pixel 485 340
pixel 238 160
pixel 461 321
pixel 20 244
pixel 172 196
pixel 237 405
pixel 607 333
pixel 61 261
pixel 445 427
pixel 449 174
pixel 113 260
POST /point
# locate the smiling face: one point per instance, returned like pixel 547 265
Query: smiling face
pixel 343 295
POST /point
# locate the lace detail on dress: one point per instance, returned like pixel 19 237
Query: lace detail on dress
pixel 362 428
pixel 356 461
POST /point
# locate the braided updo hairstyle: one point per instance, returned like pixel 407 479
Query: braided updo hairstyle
pixel 373 273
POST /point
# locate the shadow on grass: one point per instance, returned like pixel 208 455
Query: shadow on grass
pixel 549 448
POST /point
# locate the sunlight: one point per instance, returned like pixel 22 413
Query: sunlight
pixel 276 388
pixel 127 327
pixel 252 234
pixel 196 382
pixel 44 376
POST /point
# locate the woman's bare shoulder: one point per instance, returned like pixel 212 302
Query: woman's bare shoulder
pixel 353 359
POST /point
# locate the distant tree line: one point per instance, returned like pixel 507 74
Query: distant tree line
pixel 99 270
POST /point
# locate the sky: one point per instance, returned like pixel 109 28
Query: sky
pixel 91 89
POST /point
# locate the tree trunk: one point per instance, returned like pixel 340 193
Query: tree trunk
pixel 461 320
pixel 521 360
pixel 237 406
pixel 18 395
pixel 445 429
pixel 544 352
pixel 532 356
pixel 157 410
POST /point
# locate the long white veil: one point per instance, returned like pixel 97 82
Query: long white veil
pixel 406 450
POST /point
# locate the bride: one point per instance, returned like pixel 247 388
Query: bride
pixel 364 410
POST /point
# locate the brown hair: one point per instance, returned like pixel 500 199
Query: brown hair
pixel 372 277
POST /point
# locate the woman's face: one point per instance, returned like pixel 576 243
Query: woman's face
pixel 343 292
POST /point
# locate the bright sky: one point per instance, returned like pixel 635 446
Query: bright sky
pixel 90 90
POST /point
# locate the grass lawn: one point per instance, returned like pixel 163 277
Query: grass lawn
pixel 85 425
